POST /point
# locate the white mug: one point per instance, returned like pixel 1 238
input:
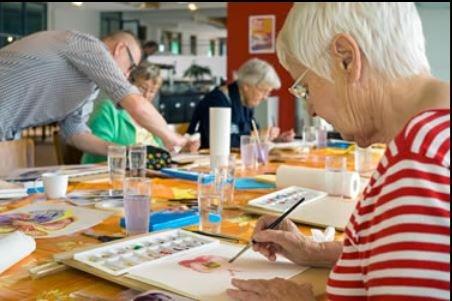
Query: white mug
pixel 55 185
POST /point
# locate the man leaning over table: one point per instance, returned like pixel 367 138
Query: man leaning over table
pixel 54 76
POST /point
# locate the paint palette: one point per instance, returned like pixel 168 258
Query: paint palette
pixel 282 200
pixel 119 257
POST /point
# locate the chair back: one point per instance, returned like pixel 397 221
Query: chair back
pixel 16 154
pixel 66 154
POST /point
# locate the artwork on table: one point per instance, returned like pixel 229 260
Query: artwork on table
pixel 50 220
pixel 262 34
pixel 210 264
pixel 203 276
pixel 34 174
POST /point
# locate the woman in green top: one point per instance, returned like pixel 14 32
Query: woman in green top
pixel 114 124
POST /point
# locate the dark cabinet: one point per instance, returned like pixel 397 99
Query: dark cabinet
pixel 179 108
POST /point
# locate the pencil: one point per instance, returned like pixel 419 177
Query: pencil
pixel 271 226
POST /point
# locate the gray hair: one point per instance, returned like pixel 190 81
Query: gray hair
pixel 145 70
pixel 388 33
pixel 256 71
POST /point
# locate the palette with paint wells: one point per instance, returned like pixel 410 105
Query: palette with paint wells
pixel 118 258
pixel 282 200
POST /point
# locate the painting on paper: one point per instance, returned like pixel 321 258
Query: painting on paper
pixel 50 220
pixel 206 274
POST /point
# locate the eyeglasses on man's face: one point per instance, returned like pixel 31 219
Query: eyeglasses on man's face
pixel 298 89
pixel 133 66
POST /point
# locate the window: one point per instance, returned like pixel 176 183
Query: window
pixel 212 48
pixel 172 41
pixel 193 41
pixel 223 47
pixel 35 17
pixel 18 19
pixel 109 23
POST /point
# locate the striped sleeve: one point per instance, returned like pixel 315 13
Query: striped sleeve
pixel 398 247
pixel 92 58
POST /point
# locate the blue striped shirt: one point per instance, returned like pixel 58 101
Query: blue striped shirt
pixel 54 76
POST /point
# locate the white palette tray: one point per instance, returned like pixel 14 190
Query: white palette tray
pixel 118 258
pixel 282 200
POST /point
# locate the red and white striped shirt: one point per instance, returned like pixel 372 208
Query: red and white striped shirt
pixel 397 242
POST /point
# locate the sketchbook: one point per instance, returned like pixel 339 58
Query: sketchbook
pixel 206 274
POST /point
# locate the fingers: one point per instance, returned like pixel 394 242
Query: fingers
pixel 241 295
pixel 255 286
pixel 264 222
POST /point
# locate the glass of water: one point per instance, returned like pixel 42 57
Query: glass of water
pixel 116 168
pixel 309 135
pixel 335 169
pixel 321 137
pixel 137 160
pixel 137 199
pixel 363 160
pixel 225 172
pixel 248 152
pixel 210 202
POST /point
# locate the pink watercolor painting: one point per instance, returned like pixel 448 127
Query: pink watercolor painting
pixel 209 264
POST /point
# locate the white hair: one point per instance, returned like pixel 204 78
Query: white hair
pixel 389 35
pixel 255 71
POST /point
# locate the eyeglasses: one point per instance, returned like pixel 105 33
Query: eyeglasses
pixel 133 66
pixel 298 89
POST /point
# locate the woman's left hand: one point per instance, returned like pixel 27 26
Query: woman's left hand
pixel 271 290
pixel 192 146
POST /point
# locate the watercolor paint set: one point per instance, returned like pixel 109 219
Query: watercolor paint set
pixel 120 257
pixel 282 200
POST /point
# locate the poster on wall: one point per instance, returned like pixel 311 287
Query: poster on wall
pixel 262 34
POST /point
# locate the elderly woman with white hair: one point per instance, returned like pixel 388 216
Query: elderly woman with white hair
pixel 256 79
pixel 363 67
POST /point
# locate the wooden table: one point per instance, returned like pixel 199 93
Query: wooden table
pixel 16 284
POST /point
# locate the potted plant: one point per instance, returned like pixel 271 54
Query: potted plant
pixel 196 72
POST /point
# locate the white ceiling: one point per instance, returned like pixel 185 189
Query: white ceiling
pixel 135 6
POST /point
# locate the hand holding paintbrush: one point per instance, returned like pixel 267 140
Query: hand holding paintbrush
pixel 273 225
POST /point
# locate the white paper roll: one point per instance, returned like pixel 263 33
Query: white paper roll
pixel 220 133
pixel 13 248
pixel 345 183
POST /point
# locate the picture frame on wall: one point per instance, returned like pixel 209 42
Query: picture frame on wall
pixel 262 34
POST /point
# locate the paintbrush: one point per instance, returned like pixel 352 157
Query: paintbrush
pixel 258 141
pixel 271 226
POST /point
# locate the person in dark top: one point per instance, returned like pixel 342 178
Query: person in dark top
pixel 256 79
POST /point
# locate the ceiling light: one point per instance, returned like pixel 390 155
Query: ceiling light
pixel 78 4
pixel 192 6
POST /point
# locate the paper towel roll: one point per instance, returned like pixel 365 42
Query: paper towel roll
pixel 319 179
pixel 220 133
pixel 13 248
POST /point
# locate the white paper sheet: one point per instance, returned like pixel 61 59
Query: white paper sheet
pixel 84 218
pixel 171 275
pixel 13 248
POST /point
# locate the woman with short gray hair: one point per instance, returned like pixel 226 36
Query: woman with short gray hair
pixel 363 68
pixel 257 72
pixel 255 80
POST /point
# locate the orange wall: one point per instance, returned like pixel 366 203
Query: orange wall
pixel 238 13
